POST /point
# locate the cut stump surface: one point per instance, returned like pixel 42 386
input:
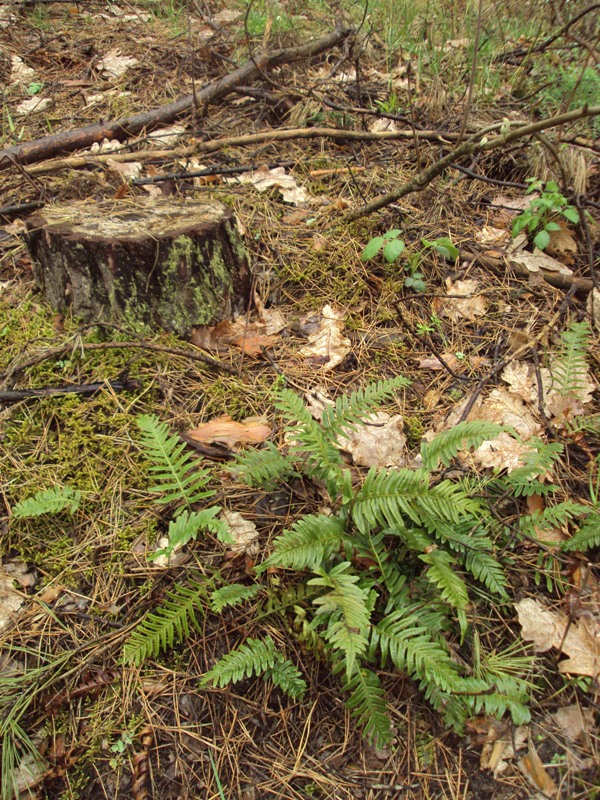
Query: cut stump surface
pixel 173 264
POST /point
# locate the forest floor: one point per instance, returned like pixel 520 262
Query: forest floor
pixel 77 720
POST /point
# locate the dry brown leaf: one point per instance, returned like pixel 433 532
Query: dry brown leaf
pixel 562 244
pixel 225 430
pixel 455 364
pixel 264 178
pixel 379 442
pixel 575 722
pixel 127 169
pixel 248 337
pixel 490 235
pixel 113 64
pixel 548 629
pixel 532 767
pixel 10 599
pixel 243 532
pixel 549 536
pixel 593 307
pixel 537 262
pixel 327 346
pixel 33 105
pixel 470 308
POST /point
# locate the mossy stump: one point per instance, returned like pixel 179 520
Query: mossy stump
pixel 171 264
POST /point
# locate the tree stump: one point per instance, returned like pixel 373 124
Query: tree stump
pixel 172 264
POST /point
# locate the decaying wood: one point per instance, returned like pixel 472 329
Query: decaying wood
pixel 166 263
pixel 123 128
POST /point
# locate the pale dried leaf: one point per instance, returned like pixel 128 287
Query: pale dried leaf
pixel 167 136
pixel 490 235
pixel 532 767
pixel 243 532
pixel 113 64
pixel 379 442
pixel 10 599
pixel 382 124
pixel 548 629
pixel 593 307
pixel 33 105
pixel 574 721
pixel 455 308
pixel 225 430
pixel 20 72
pixel 502 453
pixel 328 346
pixel 537 262
pixel 264 178
pixel 562 244
pixel 126 169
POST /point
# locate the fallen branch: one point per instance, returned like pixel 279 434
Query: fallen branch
pixel 477 143
pixel 123 128
pixel 76 162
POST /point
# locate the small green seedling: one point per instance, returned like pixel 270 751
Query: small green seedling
pixel 541 215
pixel 392 247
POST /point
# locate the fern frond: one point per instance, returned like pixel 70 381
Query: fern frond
pixel 590 423
pixel 569 368
pixel 412 648
pixel 312 446
pixel 187 526
pixel 167 623
pixel 251 658
pixel 538 461
pixel 287 677
pixel 307 543
pixel 587 536
pixel 265 468
pixel 350 410
pixel 552 517
pixel 367 704
pixel 48 501
pixel 178 476
pixel 234 594
pixel 441 574
pixel 462 436
pixel 346 607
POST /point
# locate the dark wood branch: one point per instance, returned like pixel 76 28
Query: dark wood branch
pixel 120 129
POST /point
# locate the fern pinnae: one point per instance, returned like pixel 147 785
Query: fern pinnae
pixel 351 410
pixel 587 536
pixel 452 587
pixel 462 436
pixel 178 476
pixel 286 676
pixel 252 657
pixel 170 621
pixel 569 368
pixel 366 702
pixel 265 468
pixel 308 543
pixel 233 594
pixel 48 501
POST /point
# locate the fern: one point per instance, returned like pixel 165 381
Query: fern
pixel 587 536
pixel 569 368
pixel 256 657
pixel 169 622
pixel 462 436
pixel 265 468
pixel 551 517
pixel 351 410
pixel 188 524
pixel 367 704
pixel 48 501
pixel 307 544
pixel 452 587
pixel 346 607
pixel 537 462
pixel 234 594
pixel 179 479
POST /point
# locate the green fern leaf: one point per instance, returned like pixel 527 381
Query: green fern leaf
pixel 319 456
pixel 351 410
pixel 188 524
pixel 178 476
pixel 287 677
pixel 164 625
pixel 367 704
pixel 265 468
pixel 569 368
pixel 251 658
pixel 234 594
pixel 441 574
pixel 412 648
pixel 48 501
pixel 538 461
pixel 587 536
pixel 307 544
pixel 346 607
pixel 462 436
pixel 552 517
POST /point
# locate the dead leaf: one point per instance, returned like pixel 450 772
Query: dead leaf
pixel 33 105
pixel 10 599
pixel 243 532
pixel 562 244
pixel 248 337
pixel 20 72
pixel 593 307
pixel 264 178
pixel 113 64
pixel 548 629
pixel 455 364
pixel 271 318
pixel 532 767
pixel 328 346
pixel 575 722
pixel 490 235
pixel 538 262
pixel 225 430
pixel 126 169
pixel 455 308
pixel 378 442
